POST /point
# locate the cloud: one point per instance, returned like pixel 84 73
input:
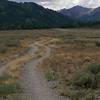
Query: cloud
pixel 90 3
pixel 59 4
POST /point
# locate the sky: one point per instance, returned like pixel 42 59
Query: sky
pixel 60 4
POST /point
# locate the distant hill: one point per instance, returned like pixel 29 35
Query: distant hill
pixel 75 12
pixel 94 16
pixel 29 15
pixel 85 17
pixel 26 15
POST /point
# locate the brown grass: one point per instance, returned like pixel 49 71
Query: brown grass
pixel 72 51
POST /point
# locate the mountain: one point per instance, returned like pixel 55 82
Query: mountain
pixel 26 15
pixel 85 17
pixel 76 12
pixel 94 16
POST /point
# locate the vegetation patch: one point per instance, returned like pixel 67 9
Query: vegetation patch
pixel 3 49
pixel 5 77
pixel 73 65
pixel 97 44
pixel 89 78
pixel 6 89
pixel 76 69
pixel 50 76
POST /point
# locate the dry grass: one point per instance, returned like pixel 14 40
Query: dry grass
pixel 72 52
pixel 64 64
pixel 13 50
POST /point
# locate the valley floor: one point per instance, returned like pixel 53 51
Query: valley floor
pixel 54 64
pixel 34 84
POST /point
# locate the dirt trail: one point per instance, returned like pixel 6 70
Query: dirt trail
pixel 34 85
pixel 2 69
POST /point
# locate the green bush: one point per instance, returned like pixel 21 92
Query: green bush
pixel 97 44
pixel 89 78
pixel 5 77
pixel 13 43
pixel 50 76
pixel 3 49
pixel 94 68
pixel 84 80
pixel 6 89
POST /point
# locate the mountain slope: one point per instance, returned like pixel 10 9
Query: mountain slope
pixel 75 12
pixel 29 15
pixel 94 16
pixel 82 14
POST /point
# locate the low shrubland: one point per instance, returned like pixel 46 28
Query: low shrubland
pixel 8 86
pixel 9 89
pixel 74 70
pixel 72 67
pixel 89 77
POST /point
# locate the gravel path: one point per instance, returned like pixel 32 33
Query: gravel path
pixel 34 85
pixel 2 69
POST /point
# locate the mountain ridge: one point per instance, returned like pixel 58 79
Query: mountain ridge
pixel 76 11
pixel 29 15
pixel 82 13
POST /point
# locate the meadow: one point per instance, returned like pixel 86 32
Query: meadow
pixel 73 68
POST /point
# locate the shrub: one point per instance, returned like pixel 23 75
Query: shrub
pixel 13 43
pixel 5 77
pixel 84 80
pixel 98 79
pixel 50 76
pixel 9 89
pixel 89 78
pixel 3 49
pixel 94 68
pixel 97 44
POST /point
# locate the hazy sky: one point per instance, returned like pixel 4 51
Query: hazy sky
pixel 59 4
